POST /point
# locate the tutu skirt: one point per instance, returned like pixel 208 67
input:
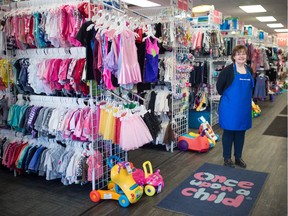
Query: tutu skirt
pixel 134 133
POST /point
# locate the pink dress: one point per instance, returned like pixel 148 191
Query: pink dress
pixel 129 69
pixel 134 133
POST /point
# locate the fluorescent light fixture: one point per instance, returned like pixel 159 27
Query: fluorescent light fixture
pixel 253 9
pixel 141 3
pixel 281 30
pixel 275 25
pixel 266 19
pixel 202 8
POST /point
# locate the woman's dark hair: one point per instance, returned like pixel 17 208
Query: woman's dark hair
pixel 237 49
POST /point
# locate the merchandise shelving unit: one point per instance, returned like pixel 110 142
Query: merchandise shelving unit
pixel 179 83
pixel 98 144
pixel 213 62
pixel 106 147
pixel 214 97
pixel 180 94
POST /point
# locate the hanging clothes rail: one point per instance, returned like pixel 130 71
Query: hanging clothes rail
pixel 139 14
pixel 119 97
pixel 61 52
pixel 123 10
pixel 114 8
pixel 41 3
pixel 53 101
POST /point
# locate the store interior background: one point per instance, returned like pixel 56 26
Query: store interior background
pixel 267 154
pixel 230 8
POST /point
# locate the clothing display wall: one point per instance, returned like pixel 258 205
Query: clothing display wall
pixel 45 27
pixel 42 66
pixel 70 163
pixel 50 76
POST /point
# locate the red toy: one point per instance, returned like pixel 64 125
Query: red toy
pixel 153 182
pixel 187 142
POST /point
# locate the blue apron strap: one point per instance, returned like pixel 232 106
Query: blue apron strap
pixel 235 69
pixel 252 78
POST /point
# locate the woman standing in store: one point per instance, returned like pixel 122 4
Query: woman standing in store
pixel 235 84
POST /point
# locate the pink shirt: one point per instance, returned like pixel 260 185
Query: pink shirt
pixel 78 133
pixel 63 70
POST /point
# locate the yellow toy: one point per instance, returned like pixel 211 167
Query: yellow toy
pixel 256 111
pixel 122 187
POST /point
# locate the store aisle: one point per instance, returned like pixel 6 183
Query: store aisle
pixel 262 153
pixel 32 195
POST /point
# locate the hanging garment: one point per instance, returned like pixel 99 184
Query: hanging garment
pixel 128 66
pixel 3 112
pixel 260 87
pixel 134 133
pixel 151 65
pixel 87 38
pixel 235 104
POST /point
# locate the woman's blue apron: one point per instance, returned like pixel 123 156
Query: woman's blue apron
pixel 236 103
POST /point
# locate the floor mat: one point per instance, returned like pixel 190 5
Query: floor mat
pixel 216 190
pixel 278 127
pixel 284 111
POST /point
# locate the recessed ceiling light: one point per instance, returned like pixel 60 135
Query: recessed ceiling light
pixel 253 9
pixel 275 25
pixel 281 30
pixel 266 19
pixel 141 3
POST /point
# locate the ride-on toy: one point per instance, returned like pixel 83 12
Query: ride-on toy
pixel 205 126
pixel 212 143
pixel 188 142
pixel 122 187
pixel 153 182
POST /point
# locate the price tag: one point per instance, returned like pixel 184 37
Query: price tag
pixel 107 196
pixel 128 168
pixel 159 189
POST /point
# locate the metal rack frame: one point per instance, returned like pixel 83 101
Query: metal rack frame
pixel 179 86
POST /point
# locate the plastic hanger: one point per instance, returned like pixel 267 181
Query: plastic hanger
pixel 149 33
pixel 121 25
pixel 80 102
pixel 106 23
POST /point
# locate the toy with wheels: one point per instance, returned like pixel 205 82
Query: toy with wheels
pixel 122 186
pixel 153 182
pixel 188 142
pixel 212 143
pixel 205 126
pixel 256 111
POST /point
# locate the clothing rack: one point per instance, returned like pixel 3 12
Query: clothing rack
pixel 113 8
pixel 123 9
pixel 156 12
pixel 53 101
pixel 61 52
pixel 137 13
pixel 178 93
pixel 118 96
pixel 106 145
pixel 40 3
pixel 208 59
